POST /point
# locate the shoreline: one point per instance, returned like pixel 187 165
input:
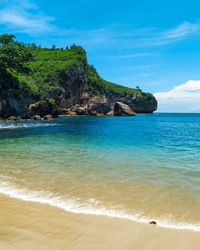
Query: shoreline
pixel 71 207
pixel 31 225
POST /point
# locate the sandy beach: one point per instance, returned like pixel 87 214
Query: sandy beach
pixel 28 225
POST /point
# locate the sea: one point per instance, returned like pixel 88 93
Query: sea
pixel 142 168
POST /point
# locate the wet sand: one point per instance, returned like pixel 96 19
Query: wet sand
pixel 28 225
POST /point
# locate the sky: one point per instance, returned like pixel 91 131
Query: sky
pixel 152 44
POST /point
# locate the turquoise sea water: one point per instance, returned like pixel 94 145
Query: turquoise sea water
pixel 141 168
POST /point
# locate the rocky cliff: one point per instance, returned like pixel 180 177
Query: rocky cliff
pixel 61 82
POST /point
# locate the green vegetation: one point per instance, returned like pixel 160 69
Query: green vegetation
pixel 14 58
pixel 13 54
pixel 51 101
pixel 54 67
pixel 101 87
pixel 33 70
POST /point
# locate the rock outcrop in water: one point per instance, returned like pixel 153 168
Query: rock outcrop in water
pixel 123 109
pixel 61 82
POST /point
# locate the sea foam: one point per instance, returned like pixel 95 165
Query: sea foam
pixel 19 125
pixel 88 208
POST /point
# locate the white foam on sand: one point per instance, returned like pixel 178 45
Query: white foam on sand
pixel 89 208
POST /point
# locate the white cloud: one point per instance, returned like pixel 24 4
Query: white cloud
pixel 182 98
pixel 134 55
pixel 19 18
pixel 170 36
pixel 182 30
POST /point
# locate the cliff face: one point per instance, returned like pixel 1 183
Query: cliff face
pixel 74 84
pixel 144 104
pixel 61 82
pixel 15 95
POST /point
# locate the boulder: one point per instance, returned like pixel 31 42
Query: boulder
pixel 123 109
pixel 12 118
pixel 36 117
pixel 72 113
pixel 14 106
pixel 93 112
pixel 101 108
pixel 81 111
pixel 110 113
pixel 143 104
pixel 48 117
pixel 43 108
pixel 65 111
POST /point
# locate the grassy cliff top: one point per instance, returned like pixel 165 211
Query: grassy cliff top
pixel 50 65
pixel 56 67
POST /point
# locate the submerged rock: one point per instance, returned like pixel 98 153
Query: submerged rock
pixel 123 109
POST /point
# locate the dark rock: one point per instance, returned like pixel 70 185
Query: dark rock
pixel 93 112
pixel 101 108
pixel 36 117
pixel 56 94
pixel 81 111
pixel 74 108
pixel 143 104
pixel 65 111
pixel 12 106
pixel 153 222
pixel 43 108
pixel 73 82
pixel 123 109
pixel 56 112
pixel 85 98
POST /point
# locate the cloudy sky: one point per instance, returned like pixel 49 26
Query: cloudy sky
pixel 153 44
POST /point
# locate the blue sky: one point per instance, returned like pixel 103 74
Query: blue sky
pixel 153 44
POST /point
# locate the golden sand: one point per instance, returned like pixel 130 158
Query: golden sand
pixel 28 225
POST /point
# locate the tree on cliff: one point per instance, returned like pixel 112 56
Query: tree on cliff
pixel 14 55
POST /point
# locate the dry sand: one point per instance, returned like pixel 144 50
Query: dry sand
pixel 28 225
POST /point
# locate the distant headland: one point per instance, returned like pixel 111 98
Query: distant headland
pixel 40 83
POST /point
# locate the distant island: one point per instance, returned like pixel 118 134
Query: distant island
pixel 40 83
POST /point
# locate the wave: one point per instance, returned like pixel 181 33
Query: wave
pixel 19 125
pixel 89 208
